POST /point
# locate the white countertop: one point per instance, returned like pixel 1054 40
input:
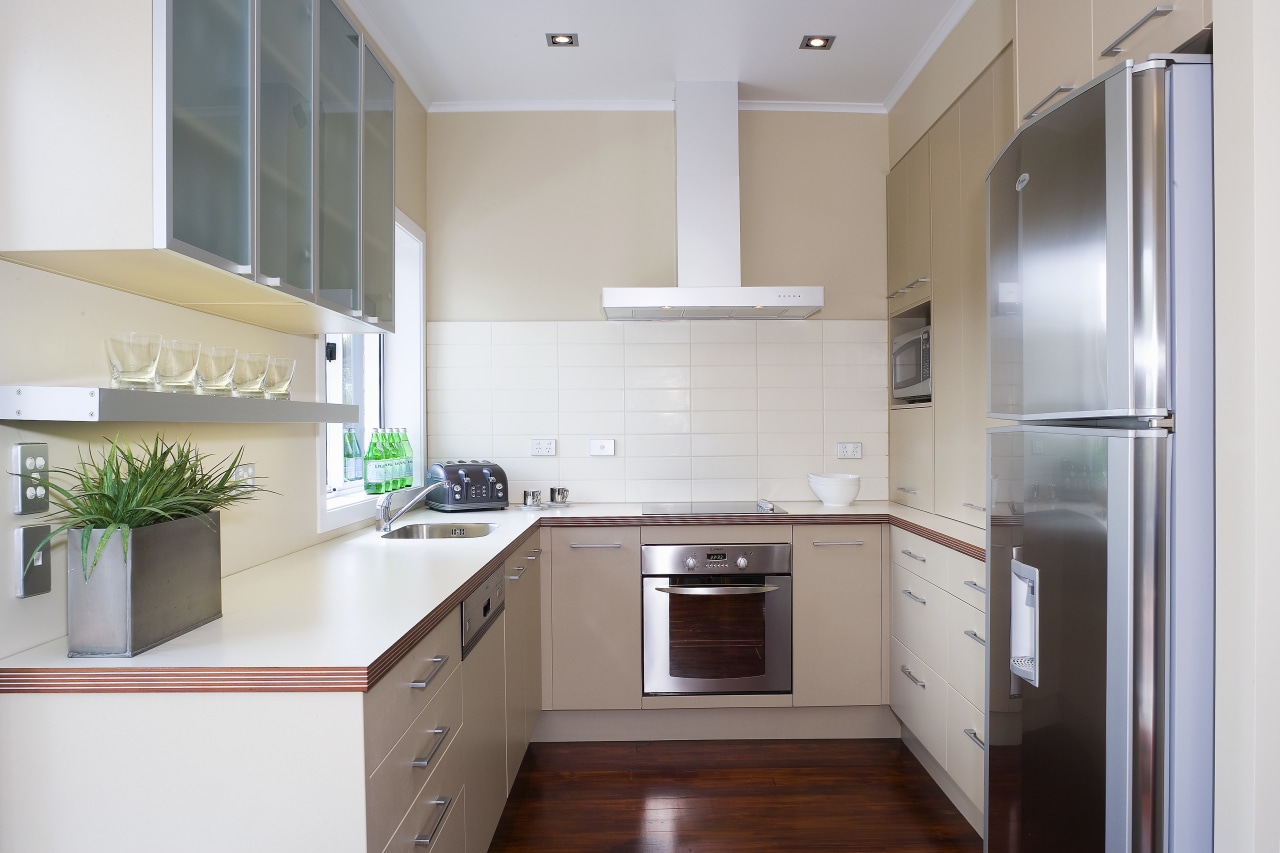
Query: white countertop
pixel 343 603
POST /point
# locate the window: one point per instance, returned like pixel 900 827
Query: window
pixel 385 375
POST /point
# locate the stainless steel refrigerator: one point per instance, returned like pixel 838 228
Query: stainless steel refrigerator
pixel 1101 498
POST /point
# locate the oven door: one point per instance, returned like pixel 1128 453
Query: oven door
pixel 717 634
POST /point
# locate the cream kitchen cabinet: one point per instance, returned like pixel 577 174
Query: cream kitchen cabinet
pixel 190 160
pixel 911 456
pixel 595 613
pixel 908 224
pixel 484 739
pixel 524 651
pixel 837 586
pixel 1134 29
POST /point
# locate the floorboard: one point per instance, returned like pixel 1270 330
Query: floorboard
pixel 859 796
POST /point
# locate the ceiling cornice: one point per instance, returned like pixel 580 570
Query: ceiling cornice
pixel 944 28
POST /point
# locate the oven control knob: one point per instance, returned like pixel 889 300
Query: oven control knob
pixel 691 563
pixel 742 562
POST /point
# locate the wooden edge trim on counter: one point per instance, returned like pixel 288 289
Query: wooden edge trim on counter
pixel 361 679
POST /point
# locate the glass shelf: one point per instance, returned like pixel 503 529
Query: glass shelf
pixel 63 403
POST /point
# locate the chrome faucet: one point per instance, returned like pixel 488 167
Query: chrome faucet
pixel 382 510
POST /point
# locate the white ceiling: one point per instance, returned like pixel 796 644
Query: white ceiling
pixel 492 54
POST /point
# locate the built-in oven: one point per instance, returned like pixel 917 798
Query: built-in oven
pixel 717 619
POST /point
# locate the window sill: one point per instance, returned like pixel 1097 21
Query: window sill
pixel 344 509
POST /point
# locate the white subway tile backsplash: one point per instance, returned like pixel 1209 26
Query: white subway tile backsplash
pixel 722 376
pixel 668 376
pixel 658 445
pixel 855 353
pixel 510 376
pixel 790 399
pixel 657 423
pixel 656 400
pixel 458 355
pixel 789 467
pixel 590 377
pixel 459 423
pixel 659 467
pixel 855 376
pixel 855 399
pixel 460 377
pixel 655 354
pixel 788 420
pixel 512 445
pixel 724 490
pixel 596 491
pixel 518 400
pixel 590 355
pixel 854 423
pixel 856 331
pixel 540 469
pixel 789 489
pixel 524 333
pixel 789 332
pixel 867 466
pixel 722 353
pixel 795 376
pixel 593 468
pixel 590 332
pixel 464 333
pixel 444 447
pixel 724 468
pixel 724 444
pixel 536 424
pixel 459 400
pixel 656 333
pixel 598 424
pixel 709 422
pixel 789 444
pixel 727 331
pixel 723 399
pixel 592 400
pixel 528 355
pixel 789 353
pixel 659 491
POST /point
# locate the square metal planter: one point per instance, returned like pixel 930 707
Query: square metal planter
pixel 170 583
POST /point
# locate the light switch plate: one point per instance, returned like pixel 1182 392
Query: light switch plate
pixel 31 461
pixel 39 578
pixel 602 447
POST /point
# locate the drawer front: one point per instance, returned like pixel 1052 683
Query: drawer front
pixel 926 558
pixel 967 580
pixel 965 756
pixel 921 703
pixel 394 702
pixel 967 652
pixel 918 617
pixel 437 812
pixel 392 787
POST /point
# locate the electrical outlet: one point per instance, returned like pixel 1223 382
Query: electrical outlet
pixel 38 579
pixel 30 465
pixel 602 447
pixel 245 473
pixel 542 447
pixel 849 450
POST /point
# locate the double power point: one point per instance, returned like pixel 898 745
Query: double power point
pixel 849 450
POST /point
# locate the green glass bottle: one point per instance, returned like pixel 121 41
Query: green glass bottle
pixel 408 458
pixel 374 466
pixel 352 455
pixel 395 467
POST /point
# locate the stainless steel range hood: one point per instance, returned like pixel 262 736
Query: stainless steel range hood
pixel 708 227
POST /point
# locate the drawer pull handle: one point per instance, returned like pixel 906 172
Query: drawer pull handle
pixel 828 544
pixel 973 736
pixel 425 839
pixel 439 661
pixel 576 545
pixel 1057 90
pixel 917 682
pixel 423 761
pixel 974 506
pixel 975 585
pixel 915 556
pixel 911 595
pixel 908 490
pixel 535 550
pixel 1114 48
pixel 973 635
pixel 534 557
pixel 519 572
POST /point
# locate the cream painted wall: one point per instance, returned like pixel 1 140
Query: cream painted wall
pixel 1247 177
pixel 813 206
pixel 984 31
pixel 530 214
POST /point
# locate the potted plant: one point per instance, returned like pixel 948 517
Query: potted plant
pixel 143 543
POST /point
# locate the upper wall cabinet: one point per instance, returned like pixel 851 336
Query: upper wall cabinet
pixel 185 150
pixel 907 211
pixel 1062 44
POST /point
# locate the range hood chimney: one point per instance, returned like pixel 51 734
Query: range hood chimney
pixel 708 227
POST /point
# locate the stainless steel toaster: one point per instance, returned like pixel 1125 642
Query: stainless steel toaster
pixel 477 484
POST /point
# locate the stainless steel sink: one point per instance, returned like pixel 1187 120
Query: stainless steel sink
pixel 441 531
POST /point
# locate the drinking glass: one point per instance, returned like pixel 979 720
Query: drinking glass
pixel 176 369
pixel 214 369
pixel 133 357
pixel 279 375
pixel 248 374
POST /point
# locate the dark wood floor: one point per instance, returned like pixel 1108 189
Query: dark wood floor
pixel 729 797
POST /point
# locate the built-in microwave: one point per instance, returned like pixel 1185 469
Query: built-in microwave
pixel 909 361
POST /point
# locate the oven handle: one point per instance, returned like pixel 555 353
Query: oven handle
pixel 715 590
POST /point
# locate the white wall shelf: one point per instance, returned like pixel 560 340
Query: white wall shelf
pixel 62 403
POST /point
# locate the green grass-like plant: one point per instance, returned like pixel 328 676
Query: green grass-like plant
pixel 120 489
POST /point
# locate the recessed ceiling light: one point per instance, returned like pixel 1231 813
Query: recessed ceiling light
pixel 562 39
pixel 817 42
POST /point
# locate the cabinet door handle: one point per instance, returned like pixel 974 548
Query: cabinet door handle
pixel 1057 90
pixel 442 733
pixel 576 545
pixel 907 490
pixel 973 635
pixel 973 736
pixel 911 595
pixel 535 550
pixel 896 293
pixel 917 682
pixel 519 573
pixel 829 544
pixel 439 661
pixel 1114 48
pixel 425 839
pixel 918 281
pixel 974 506
pixel 914 556
pixel 975 585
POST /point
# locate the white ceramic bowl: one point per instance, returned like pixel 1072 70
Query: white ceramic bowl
pixel 835 489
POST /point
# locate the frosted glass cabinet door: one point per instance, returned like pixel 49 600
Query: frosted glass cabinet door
pixel 284 143
pixel 338 67
pixel 210 180
pixel 377 193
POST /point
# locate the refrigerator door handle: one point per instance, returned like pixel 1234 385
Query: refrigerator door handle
pixel 1024 621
